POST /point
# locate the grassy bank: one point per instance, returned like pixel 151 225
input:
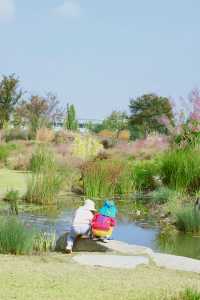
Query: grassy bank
pixel 10 179
pixel 58 277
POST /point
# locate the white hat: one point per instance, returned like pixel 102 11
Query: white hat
pixel 89 204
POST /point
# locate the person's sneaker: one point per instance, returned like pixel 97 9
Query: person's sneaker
pixel 103 240
pixel 68 250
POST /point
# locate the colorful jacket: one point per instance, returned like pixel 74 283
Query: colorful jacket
pixel 103 223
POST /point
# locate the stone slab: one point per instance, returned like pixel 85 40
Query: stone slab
pixel 178 263
pixel 125 248
pixel 80 245
pixel 111 261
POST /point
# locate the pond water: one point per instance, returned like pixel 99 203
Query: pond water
pixel 58 219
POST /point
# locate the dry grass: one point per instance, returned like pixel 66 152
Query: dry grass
pixel 45 135
pixel 58 277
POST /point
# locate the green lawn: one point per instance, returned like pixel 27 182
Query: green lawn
pixel 12 180
pixel 57 277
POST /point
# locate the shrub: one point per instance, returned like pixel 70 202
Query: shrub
pixel 108 143
pixel 64 136
pixel 16 134
pixel 107 134
pixel 15 237
pixel 145 148
pixel 144 173
pixel 86 147
pixel 45 135
pixel 5 150
pixel 2 135
pixel 20 161
pixel 162 195
pixel 124 135
pixel 180 169
pixel 188 220
pixel 107 178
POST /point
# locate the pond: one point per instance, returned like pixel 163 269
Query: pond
pixel 144 232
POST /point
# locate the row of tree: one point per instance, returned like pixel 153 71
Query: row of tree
pixel 34 111
pixel 147 113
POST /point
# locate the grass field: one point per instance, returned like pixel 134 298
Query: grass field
pixel 57 277
pixel 12 180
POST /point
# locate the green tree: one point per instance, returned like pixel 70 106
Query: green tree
pixel 9 97
pixel 115 122
pixel 38 112
pixel 150 113
pixel 32 112
pixel 71 122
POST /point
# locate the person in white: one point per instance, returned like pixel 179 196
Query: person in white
pixel 81 223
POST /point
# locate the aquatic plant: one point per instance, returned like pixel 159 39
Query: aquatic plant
pixel 44 242
pixel 15 237
pixel 188 220
pixel 180 169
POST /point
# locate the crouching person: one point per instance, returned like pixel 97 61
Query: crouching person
pixel 81 223
pixel 104 221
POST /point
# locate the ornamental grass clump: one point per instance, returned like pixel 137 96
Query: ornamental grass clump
pixel 86 147
pixel 180 169
pixel 15 237
pixel 188 220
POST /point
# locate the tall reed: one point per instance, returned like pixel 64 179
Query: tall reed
pixel 107 178
pixel 15 237
pixel 180 169
pixel 188 220
pixel 43 187
pixel 45 181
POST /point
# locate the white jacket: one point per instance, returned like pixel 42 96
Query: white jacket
pixel 83 215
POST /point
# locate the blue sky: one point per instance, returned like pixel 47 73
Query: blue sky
pixel 98 54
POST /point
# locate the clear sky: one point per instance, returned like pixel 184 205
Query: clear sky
pixel 98 53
